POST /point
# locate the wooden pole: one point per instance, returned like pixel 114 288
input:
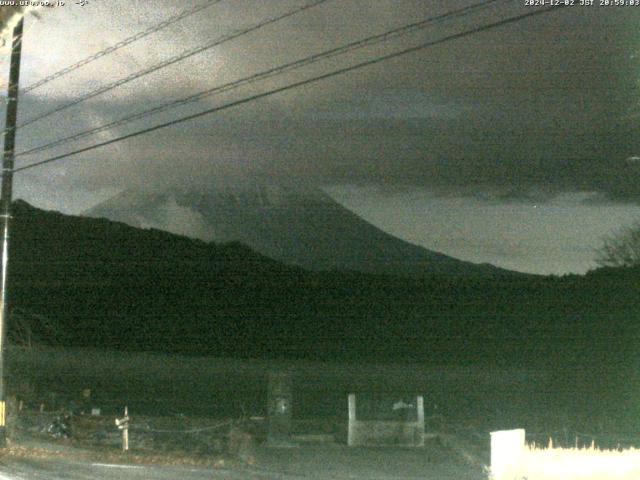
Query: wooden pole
pixel 5 206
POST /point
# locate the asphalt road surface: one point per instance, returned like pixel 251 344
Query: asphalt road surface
pixel 67 470
pixel 286 464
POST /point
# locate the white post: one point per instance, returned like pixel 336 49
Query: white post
pixel 507 450
pixel 352 419
pixel 123 424
pixel 420 420
pixel 125 431
pixel 420 410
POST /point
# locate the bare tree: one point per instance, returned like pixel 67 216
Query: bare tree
pixel 620 249
pixel 30 329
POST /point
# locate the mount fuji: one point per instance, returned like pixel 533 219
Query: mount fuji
pixel 289 221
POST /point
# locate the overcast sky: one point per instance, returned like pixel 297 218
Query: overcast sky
pixel 512 146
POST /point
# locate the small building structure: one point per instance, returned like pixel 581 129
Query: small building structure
pixel 394 422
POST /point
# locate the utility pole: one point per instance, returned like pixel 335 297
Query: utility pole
pixel 5 207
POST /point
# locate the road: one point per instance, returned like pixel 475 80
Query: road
pixel 285 464
pixel 58 469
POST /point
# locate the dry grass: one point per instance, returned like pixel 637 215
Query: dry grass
pixel 154 441
pixel 117 457
pixel 589 463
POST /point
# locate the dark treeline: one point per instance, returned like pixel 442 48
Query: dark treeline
pixel 108 285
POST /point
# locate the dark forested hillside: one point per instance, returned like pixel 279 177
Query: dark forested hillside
pixel 109 285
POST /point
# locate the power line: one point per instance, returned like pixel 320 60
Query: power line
pixel 175 59
pixel 120 44
pixel 368 41
pixel 291 86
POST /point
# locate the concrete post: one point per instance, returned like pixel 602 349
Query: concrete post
pixel 419 421
pixel 507 450
pixel 352 419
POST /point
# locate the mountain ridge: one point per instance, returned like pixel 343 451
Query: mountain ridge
pixel 297 224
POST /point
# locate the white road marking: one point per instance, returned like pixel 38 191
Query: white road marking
pixel 14 477
pixel 114 465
